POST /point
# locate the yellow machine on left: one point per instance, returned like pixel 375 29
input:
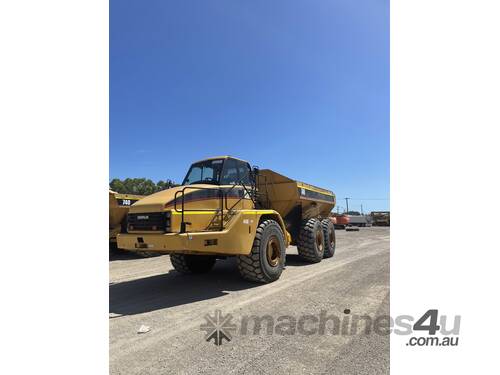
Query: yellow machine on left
pixel 119 205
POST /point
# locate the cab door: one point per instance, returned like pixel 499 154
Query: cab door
pixel 237 184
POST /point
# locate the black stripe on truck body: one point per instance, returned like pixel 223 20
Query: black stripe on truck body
pixel 306 193
pixel 195 195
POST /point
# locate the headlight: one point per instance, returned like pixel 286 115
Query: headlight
pixel 168 216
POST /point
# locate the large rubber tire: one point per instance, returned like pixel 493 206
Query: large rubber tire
pixel 187 264
pixel 329 235
pixel 266 260
pixel 311 243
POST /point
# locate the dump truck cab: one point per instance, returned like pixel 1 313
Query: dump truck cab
pixel 211 187
pixel 225 208
pixel 222 170
pixel 219 183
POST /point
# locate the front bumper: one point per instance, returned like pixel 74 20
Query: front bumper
pixel 216 243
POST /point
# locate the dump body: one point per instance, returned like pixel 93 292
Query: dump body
pixel 294 200
pixel 285 195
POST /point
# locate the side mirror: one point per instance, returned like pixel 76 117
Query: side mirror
pixel 255 170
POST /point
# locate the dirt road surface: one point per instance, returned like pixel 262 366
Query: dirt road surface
pixel 355 282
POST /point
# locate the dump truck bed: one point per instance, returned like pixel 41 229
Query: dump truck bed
pixel 285 195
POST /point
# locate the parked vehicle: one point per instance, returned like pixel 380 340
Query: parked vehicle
pixel 341 221
pixel 357 219
pixel 225 208
pixel 381 218
pixel 119 205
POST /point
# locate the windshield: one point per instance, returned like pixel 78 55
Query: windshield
pixel 227 171
pixel 204 172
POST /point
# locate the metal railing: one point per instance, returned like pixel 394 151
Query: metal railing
pixel 220 194
pixel 245 193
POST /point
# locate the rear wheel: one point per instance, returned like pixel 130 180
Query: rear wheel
pixel 267 257
pixel 311 244
pixel 329 234
pixel 185 263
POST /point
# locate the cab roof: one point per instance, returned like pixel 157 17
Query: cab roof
pixel 221 157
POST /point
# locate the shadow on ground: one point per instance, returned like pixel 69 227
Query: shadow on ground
pixel 173 289
pixel 116 254
pixel 294 260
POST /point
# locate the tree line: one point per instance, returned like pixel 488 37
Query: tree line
pixel 140 186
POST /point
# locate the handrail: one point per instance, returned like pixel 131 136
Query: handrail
pixel 249 193
pixel 183 223
pixel 223 195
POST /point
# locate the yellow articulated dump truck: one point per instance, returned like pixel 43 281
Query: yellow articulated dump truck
pixel 225 208
pixel 119 205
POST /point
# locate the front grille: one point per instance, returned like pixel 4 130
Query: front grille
pixel 151 221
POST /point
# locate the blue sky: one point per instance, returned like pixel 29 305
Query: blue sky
pixel 300 87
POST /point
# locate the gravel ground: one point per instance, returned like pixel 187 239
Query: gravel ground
pixel 147 291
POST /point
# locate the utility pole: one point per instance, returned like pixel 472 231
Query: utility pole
pixel 347 203
pixel 361 209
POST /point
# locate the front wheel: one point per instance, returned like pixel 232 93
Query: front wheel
pixel 266 260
